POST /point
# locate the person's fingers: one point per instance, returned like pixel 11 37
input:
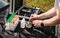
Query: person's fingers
pixel 32 15
pixel 33 22
pixel 30 19
pixel 36 24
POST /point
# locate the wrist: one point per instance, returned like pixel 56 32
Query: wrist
pixel 39 17
pixel 45 22
pixel 36 17
pixel 42 24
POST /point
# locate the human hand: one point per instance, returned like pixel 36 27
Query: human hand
pixel 37 23
pixel 33 17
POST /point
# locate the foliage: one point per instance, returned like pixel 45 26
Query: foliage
pixel 44 5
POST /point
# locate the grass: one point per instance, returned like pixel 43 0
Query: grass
pixel 44 5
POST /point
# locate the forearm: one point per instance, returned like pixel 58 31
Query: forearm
pixel 48 14
pixel 51 22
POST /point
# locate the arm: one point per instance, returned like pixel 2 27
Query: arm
pixel 48 14
pixel 48 22
pixel 53 21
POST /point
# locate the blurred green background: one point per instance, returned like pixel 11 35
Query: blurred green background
pixel 44 5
